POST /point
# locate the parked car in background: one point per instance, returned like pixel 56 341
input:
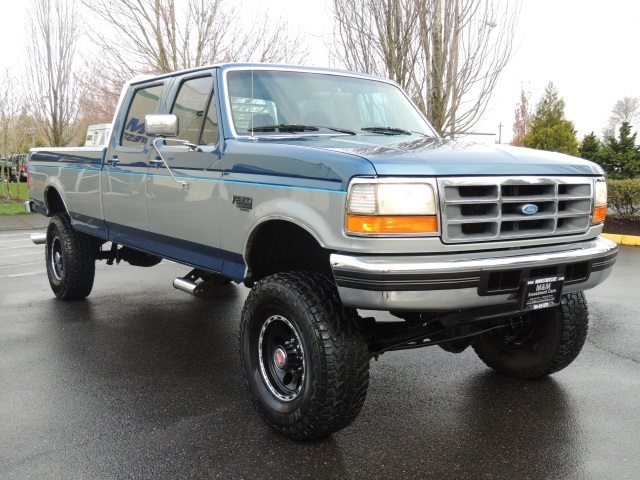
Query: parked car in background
pixel 7 170
pixel 19 161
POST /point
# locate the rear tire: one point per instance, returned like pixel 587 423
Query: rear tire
pixel 70 259
pixel 304 359
pixel 539 343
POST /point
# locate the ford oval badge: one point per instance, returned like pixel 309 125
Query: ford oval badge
pixel 529 209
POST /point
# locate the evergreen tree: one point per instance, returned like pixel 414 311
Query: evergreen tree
pixel 620 157
pixel 590 147
pixel 550 130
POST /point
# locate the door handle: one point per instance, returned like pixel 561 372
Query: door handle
pixel 155 162
pixel 114 161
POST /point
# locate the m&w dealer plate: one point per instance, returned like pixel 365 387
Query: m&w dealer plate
pixel 542 292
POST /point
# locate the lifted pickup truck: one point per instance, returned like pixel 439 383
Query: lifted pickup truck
pixel 326 192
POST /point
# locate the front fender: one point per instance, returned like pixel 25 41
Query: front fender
pixel 322 220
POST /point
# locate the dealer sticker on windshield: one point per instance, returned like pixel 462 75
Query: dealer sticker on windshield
pixel 543 292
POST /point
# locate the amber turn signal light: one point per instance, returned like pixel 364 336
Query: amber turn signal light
pixel 599 214
pixel 396 224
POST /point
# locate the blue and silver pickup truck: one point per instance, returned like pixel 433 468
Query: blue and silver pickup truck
pixel 328 194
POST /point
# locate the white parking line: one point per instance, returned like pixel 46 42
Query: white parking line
pixel 24 274
pixel 13 240
pixel 22 246
pixel 7 235
pixel 21 255
pixel 20 265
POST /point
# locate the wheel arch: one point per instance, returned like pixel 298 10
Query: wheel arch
pixel 54 201
pixel 278 245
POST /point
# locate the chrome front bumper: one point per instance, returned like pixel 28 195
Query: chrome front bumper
pixel 464 281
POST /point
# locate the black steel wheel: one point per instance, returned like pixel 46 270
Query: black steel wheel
pixel 70 259
pixel 539 343
pixel 281 357
pixel 304 359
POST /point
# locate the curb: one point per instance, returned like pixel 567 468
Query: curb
pixel 23 222
pixel 631 240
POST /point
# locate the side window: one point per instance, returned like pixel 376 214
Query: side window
pixel 196 114
pixel 145 101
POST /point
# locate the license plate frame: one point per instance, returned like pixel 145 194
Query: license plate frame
pixel 541 292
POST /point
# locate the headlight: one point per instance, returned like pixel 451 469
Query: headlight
pixel 600 204
pixel 392 207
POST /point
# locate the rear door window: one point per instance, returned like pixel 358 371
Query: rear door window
pixel 145 101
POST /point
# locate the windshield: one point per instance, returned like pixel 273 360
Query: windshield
pixel 290 99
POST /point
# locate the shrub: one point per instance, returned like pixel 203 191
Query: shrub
pixel 624 196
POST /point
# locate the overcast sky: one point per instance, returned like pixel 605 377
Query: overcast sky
pixel 588 49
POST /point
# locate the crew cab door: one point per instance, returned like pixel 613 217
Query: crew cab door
pixel 184 218
pixel 125 170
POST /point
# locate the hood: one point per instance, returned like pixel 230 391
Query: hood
pixel 427 156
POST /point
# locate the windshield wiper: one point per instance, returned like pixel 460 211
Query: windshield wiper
pixel 292 127
pixel 341 130
pixel 387 130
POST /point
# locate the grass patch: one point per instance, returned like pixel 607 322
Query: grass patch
pixel 13 188
pixel 14 207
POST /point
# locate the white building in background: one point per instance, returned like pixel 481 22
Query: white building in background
pixel 97 135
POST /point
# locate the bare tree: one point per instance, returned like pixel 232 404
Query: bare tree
pixel 53 90
pixel 522 120
pixel 160 36
pixel 153 36
pixel 101 95
pixel 455 50
pixel 627 109
pixel 8 114
pixel 13 125
pixel 378 37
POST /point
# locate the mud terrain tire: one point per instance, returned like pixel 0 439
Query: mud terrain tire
pixel 539 343
pixel 304 359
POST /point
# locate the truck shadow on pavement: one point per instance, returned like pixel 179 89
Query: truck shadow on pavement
pixel 165 367
pixel 169 369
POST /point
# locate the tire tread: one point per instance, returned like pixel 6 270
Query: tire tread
pixel 341 393
pixel 565 342
pixel 79 260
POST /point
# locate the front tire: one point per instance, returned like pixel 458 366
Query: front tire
pixel 539 343
pixel 304 359
pixel 70 258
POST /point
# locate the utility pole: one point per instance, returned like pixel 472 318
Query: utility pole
pixel 500 133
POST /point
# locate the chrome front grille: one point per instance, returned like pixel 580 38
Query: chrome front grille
pixel 478 209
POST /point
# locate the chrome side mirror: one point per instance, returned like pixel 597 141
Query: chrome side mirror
pixel 161 125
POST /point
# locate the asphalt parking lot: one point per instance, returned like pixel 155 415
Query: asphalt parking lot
pixel 143 381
